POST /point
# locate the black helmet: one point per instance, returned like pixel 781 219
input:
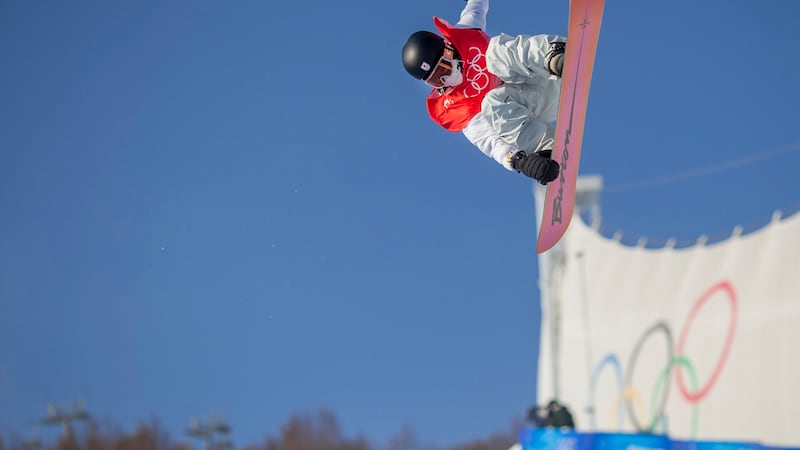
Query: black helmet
pixel 421 53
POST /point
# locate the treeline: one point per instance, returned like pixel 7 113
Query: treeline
pixel 317 431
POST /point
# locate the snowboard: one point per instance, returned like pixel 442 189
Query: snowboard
pixel 583 31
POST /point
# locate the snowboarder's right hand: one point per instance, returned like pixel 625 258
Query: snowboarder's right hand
pixel 540 168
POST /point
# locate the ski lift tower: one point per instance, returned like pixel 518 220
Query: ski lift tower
pixel 65 415
pixel 551 270
pixel 206 430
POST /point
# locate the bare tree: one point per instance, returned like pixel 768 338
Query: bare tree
pixel 497 441
pixel 145 437
pixel 320 431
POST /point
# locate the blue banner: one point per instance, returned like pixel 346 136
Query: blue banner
pixel 561 439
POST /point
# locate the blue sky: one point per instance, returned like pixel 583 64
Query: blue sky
pixel 242 207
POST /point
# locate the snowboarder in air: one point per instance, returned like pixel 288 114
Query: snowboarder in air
pixel 502 92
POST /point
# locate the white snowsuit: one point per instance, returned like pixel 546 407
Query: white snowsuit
pixel 519 114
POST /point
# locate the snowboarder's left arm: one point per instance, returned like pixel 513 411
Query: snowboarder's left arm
pixel 474 14
pixel 538 166
pixel 481 134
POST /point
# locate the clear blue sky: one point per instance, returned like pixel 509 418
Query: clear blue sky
pixel 242 207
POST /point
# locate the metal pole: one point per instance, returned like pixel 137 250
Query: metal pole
pixel 205 431
pixel 65 415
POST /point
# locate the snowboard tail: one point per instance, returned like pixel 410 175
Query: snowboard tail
pixel 585 17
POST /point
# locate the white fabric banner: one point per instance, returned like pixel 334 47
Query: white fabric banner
pixel 700 342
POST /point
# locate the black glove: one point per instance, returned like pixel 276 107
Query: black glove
pixel 540 168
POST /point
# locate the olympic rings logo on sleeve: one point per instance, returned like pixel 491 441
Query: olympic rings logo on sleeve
pixel 676 359
pixel 476 73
